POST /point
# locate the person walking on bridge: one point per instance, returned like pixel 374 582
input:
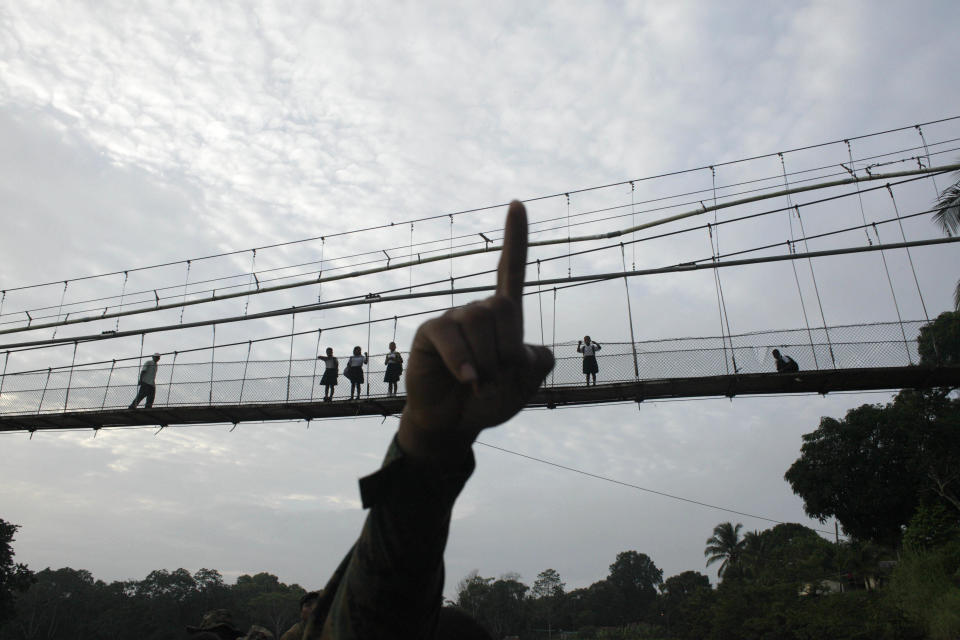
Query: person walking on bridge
pixel 147 382
pixel 589 350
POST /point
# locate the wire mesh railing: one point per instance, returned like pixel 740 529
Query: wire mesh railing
pixel 94 388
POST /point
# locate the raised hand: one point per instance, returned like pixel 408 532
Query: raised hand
pixel 469 368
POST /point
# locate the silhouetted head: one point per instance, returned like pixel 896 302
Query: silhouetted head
pixel 307 604
pixel 356 351
pixel 586 339
pixel 329 351
pixel 776 353
pixel 393 346
pixel 156 357
pixel 216 624
pixel 454 623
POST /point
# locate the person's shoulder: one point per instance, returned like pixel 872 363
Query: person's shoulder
pixel 293 633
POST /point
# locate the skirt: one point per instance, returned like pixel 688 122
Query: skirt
pixel 392 374
pixel 329 378
pixel 354 374
pixel 590 364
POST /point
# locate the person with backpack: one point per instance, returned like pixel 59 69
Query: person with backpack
pixel 785 364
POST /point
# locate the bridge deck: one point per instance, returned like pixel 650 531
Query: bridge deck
pixel 688 387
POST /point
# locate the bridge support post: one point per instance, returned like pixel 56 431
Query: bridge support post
pixel 3 377
pixel 44 394
pixel 106 389
pixel 66 396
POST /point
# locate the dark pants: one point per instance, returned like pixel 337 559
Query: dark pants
pixel 147 391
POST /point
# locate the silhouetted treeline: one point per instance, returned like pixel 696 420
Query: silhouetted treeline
pixel 70 604
pixel 786 582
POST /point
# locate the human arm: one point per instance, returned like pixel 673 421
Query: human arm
pixel 468 370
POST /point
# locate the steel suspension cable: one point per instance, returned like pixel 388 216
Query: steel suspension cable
pixel 540 302
pixel 936 190
pixel 569 272
pixel 186 281
pixel 549 242
pixel 684 267
pixel 60 308
pixel 724 317
pixel 123 290
pixel 633 340
pixel 253 279
pixel 489 207
pixel 893 293
pixel 913 269
pixel 853 172
pixel 806 248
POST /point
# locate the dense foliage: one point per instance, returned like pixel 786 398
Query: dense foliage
pixel 875 467
pixel 14 578
pixel 70 604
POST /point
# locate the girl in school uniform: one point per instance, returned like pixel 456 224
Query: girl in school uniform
pixel 354 371
pixel 589 349
pixel 391 376
pixel 330 374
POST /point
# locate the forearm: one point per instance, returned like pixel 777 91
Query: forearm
pixel 393 583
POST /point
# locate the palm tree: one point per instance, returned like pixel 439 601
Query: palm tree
pixel 725 545
pixel 947 217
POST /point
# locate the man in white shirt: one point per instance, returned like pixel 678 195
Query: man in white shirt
pixel 148 382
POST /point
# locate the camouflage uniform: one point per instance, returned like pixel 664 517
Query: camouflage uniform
pixel 218 622
pixel 257 632
pixel 293 633
pixel 390 584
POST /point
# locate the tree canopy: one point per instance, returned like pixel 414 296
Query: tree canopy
pixel 872 469
pixel 14 577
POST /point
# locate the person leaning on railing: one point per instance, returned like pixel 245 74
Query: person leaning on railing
pixel 468 370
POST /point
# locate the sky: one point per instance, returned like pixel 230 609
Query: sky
pixel 138 133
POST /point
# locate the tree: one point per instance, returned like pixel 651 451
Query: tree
pixel 873 468
pixel 635 579
pixel 947 217
pixel 930 527
pixel 939 341
pixel 682 600
pixel 787 553
pixel 547 585
pixel 14 577
pixel 547 594
pixel 725 546
pixel 498 605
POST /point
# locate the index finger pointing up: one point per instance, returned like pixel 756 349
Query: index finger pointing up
pixel 513 257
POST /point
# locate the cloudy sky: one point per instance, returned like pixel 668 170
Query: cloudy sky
pixel 138 134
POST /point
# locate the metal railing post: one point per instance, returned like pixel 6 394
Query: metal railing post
pixel 44 394
pixel 293 330
pixel 173 365
pixel 66 397
pixel 3 378
pixel 103 403
pixel 313 379
pixel 367 355
pixel 213 357
pixel 243 382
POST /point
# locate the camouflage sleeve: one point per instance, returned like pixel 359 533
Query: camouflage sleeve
pixel 390 585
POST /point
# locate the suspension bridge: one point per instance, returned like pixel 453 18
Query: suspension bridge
pixel 60 371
